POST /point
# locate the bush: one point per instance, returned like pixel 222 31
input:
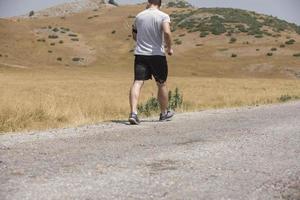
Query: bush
pixel 177 41
pixel 31 13
pixel 152 104
pixel 113 2
pixel 257 49
pixel 282 46
pixel 76 59
pixel 61 42
pixel 55 29
pixel 284 98
pixel 59 59
pixel 296 55
pixel 75 39
pixel 204 34
pixel 274 49
pixel 290 42
pixel 113 32
pixel 232 40
pixel 179 4
pixel 269 54
pixel 49 51
pixel 131 16
pixel 41 40
pixel 181 35
pixel 52 44
pixel 233 55
pixel 258 36
pixel 53 36
pixel 73 35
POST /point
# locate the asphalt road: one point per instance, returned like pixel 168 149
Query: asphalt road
pixel 245 153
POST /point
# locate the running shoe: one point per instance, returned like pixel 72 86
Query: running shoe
pixel 167 116
pixel 133 119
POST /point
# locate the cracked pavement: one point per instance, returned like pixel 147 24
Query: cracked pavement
pixel 238 153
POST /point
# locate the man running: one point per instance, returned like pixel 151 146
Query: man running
pixel 151 30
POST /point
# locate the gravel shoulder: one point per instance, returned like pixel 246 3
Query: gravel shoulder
pixel 239 153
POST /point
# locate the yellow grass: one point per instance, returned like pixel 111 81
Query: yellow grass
pixel 33 100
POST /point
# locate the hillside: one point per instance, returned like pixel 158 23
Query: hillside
pixel 216 42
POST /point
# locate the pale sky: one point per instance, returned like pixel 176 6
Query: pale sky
pixel 284 9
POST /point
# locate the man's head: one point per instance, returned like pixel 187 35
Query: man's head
pixel 155 2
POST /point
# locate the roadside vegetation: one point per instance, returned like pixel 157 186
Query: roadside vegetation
pixel 84 98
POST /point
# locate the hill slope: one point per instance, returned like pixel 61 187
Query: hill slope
pixel 217 42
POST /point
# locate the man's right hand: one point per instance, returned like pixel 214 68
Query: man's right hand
pixel 170 51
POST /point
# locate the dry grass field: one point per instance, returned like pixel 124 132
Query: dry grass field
pixel 77 69
pixel 32 100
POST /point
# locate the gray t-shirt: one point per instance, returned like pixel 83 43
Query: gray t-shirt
pixel 150 38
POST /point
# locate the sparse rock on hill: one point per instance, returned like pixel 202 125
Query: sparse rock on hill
pixel 71 8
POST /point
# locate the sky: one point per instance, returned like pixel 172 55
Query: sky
pixel 283 9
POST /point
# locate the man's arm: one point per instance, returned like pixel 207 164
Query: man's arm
pixel 168 37
pixel 134 32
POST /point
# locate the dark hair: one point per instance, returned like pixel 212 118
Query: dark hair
pixel 155 2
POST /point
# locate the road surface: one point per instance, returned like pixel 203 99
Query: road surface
pixel 239 153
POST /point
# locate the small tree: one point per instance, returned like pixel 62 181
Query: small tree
pixel 113 2
pixel 31 13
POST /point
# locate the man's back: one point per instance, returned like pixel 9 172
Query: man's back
pixel 149 32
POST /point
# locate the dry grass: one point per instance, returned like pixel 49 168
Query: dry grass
pixel 33 100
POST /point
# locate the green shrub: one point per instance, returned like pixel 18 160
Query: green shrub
pixel 55 29
pixel 177 41
pixel 258 36
pixel 152 105
pixel 204 34
pixel 179 4
pixel 113 2
pixel 273 49
pixel 284 98
pixel 290 42
pixel 232 40
pixel 282 46
pixel 53 36
pixel 296 55
pixel 76 59
pixel 41 40
pixel 73 35
pixel 31 13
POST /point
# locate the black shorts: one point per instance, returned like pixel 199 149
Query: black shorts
pixel 147 66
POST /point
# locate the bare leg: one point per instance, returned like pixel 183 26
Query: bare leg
pixel 162 96
pixel 134 95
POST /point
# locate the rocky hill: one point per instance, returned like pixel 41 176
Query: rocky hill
pixel 70 8
pixel 207 41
